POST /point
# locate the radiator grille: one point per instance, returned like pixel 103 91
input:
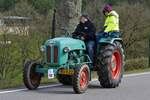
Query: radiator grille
pixel 55 54
pixel 48 54
pixel 52 54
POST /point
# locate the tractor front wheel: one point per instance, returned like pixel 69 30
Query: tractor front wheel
pixel 81 79
pixel 31 78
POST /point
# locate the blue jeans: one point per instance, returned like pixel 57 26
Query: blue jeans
pixel 90 48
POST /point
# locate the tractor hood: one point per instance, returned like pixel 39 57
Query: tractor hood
pixel 56 50
pixel 72 44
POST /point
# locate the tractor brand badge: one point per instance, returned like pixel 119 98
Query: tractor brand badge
pixel 51 45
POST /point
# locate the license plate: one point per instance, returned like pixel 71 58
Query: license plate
pixel 66 71
pixel 50 73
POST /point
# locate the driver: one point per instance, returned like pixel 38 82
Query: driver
pixel 86 30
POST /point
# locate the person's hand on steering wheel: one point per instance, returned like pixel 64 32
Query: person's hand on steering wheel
pixel 84 37
pixel 81 35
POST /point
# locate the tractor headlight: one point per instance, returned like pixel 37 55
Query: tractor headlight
pixel 66 49
pixel 42 48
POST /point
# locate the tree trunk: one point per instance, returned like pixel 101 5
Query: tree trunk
pixel 67 14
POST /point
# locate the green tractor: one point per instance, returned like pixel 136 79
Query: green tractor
pixel 66 59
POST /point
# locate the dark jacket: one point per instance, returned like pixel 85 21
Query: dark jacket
pixel 88 28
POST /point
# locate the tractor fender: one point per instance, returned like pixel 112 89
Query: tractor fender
pixel 110 40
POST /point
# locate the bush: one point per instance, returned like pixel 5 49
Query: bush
pixel 138 63
pixel 13 56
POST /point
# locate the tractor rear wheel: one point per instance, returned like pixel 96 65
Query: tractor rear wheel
pixel 81 79
pixel 110 65
pixel 65 79
pixel 31 78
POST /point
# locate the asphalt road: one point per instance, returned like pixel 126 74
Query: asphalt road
pixel 133 87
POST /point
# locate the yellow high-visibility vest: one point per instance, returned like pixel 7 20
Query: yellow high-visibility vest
pixel 112 22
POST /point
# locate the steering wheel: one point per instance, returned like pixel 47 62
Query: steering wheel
pixel 80 35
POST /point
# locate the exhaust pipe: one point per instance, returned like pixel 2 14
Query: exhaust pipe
pixel 53 24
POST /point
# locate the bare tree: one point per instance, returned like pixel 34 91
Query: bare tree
pixel 135 23
pixel 6 62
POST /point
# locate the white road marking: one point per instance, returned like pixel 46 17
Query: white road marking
pixel 50 86
pixel 136 74
pixel 10 91
pixel 130 75
pixel 18 90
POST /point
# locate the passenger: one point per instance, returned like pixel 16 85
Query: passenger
pixel 111 26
